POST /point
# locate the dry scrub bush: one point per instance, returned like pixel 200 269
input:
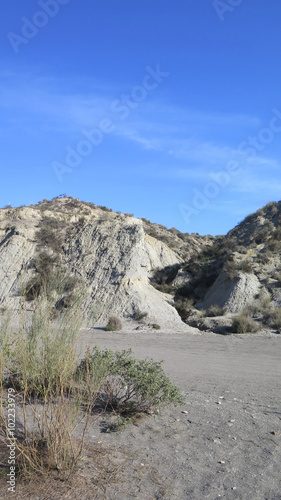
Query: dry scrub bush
pixel 215 311
pixel 243 323
pixel 233 268
pixel 114 324
pixel 139 315
pixel 273 318
pixel 184 306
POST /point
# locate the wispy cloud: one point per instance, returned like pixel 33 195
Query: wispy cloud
pixel 181 135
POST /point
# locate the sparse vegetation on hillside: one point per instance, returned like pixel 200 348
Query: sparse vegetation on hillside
pixel 253 246
pixel 47 266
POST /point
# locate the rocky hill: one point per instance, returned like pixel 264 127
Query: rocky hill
pixel 75 245
pixel 133 268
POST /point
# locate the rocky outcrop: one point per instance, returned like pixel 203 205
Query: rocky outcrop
pixel 110 253
pixel 115 259
pixel 233 294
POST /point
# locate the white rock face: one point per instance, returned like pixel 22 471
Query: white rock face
pixel 111 254
pixel 233 294
pixel 16 250
pixel 115 260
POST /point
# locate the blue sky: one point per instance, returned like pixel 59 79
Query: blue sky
pixel 170 110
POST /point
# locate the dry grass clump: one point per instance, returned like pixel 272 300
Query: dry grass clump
pixel 38 366
pixel 114 324
pixel 215 310
pixel 243 323
pixel 273 318
pixel 184 306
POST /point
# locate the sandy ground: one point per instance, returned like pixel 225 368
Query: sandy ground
pixel 228 445
pixel 223 443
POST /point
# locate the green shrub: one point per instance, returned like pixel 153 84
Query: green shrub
pixel 156 326
pixel 127 385
pixel 243 323
pixel 105 209
pixel 114 324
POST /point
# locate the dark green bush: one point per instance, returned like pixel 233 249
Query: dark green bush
pixel 127 385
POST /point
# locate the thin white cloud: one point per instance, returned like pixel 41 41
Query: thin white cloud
pixel 182 135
